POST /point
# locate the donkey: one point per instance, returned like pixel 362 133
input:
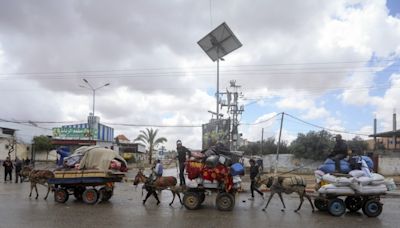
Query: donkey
pixel 25 171
pixel 161 183
pixel 40 177
pixel 286 185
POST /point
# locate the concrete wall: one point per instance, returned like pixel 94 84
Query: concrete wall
pixel 389 165
pixel 287 162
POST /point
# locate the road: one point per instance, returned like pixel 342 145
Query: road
pixel 125 209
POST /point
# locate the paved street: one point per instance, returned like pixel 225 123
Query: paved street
pixel 125 209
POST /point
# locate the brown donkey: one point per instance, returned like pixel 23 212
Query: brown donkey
pixel 40 177
pixel 286 185
pixel 159 184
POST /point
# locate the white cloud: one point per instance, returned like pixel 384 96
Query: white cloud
pixel 159 75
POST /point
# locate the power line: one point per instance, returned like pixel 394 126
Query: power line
pixel 263 121
pixel 31 122
pixel 324 128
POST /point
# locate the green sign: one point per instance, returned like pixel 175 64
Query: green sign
pixel 74 133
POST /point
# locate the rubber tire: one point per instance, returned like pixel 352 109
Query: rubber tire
pixel 225 201
pixel 191 200
pixel 336 207
pixel 353 203
pixel 78 191
pixel 372 208
pixel 105 194
pixel 321 204
pixel 90 196
pixel 202 197
pixel 61 195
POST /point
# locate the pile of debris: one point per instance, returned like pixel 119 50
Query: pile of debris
pixel 216 167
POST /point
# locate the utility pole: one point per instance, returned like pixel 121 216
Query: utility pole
pixel 262 141
pixel 234 109
pixel 279 145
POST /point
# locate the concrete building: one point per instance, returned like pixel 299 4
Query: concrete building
pixel 9 145
pixel 84 134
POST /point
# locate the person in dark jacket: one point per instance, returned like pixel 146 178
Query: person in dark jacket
pixel 339 152
pixel 18 168
pixel 254 170
pixel 182 153
pixel 8 167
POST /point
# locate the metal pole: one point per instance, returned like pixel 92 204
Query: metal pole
pixel 262 140
pixel 279 144
pixel 94 95
pixel 217 86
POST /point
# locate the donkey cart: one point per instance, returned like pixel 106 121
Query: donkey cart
pixel 369 203
pixel 194 197
pixel 89 186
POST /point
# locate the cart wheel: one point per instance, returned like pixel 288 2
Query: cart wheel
pixel 372 208
pixel 202 197
pixel 61 195
pixel 321 204
pixel 353 203
pixel 105 194
pixel 336 207
pixel 225 201
pixel 191 200
pixel 78 191
pixel 90 196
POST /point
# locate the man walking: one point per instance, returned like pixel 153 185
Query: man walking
pixel 18 168
pixel 254 170
pixel 182 153
pixel 8 167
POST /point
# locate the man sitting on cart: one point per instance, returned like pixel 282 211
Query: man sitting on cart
pixel 339 152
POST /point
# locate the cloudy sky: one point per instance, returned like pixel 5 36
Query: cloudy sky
pixel 335 64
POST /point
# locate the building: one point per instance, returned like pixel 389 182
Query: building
pixel 135 152
pixel 84 134
pixel 10 146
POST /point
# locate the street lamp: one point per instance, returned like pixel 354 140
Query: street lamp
pixel 93 90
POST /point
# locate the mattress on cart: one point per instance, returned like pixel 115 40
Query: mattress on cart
pixel 86 173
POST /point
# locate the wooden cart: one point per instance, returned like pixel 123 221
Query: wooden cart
pixel 87 185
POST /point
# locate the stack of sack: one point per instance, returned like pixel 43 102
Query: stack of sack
pixel 214 167
pixel 359 182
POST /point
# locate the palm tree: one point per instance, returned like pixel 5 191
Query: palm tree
pixel 149 137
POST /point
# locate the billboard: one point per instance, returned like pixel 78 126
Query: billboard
pixel 74 133
pixel 211 136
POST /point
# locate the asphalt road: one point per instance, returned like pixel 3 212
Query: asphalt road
pixel 125 209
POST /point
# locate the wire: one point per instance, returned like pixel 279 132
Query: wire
pixel 32 123
pixel 263 121
pixel 152 125
pixel 324 128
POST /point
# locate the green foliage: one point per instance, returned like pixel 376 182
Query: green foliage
pixel 149 138
pixel 358 145
pixel 269 147
pixel 313 145
pixel 42 143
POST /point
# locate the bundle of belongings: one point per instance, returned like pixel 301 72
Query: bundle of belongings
pixel 215 167
pixel 358 180
pixel 95 158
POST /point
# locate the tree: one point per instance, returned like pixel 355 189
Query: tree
pixel 42 143
pixel 313 145
pixel 269 147
pixel 358 145
pixel 149 138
